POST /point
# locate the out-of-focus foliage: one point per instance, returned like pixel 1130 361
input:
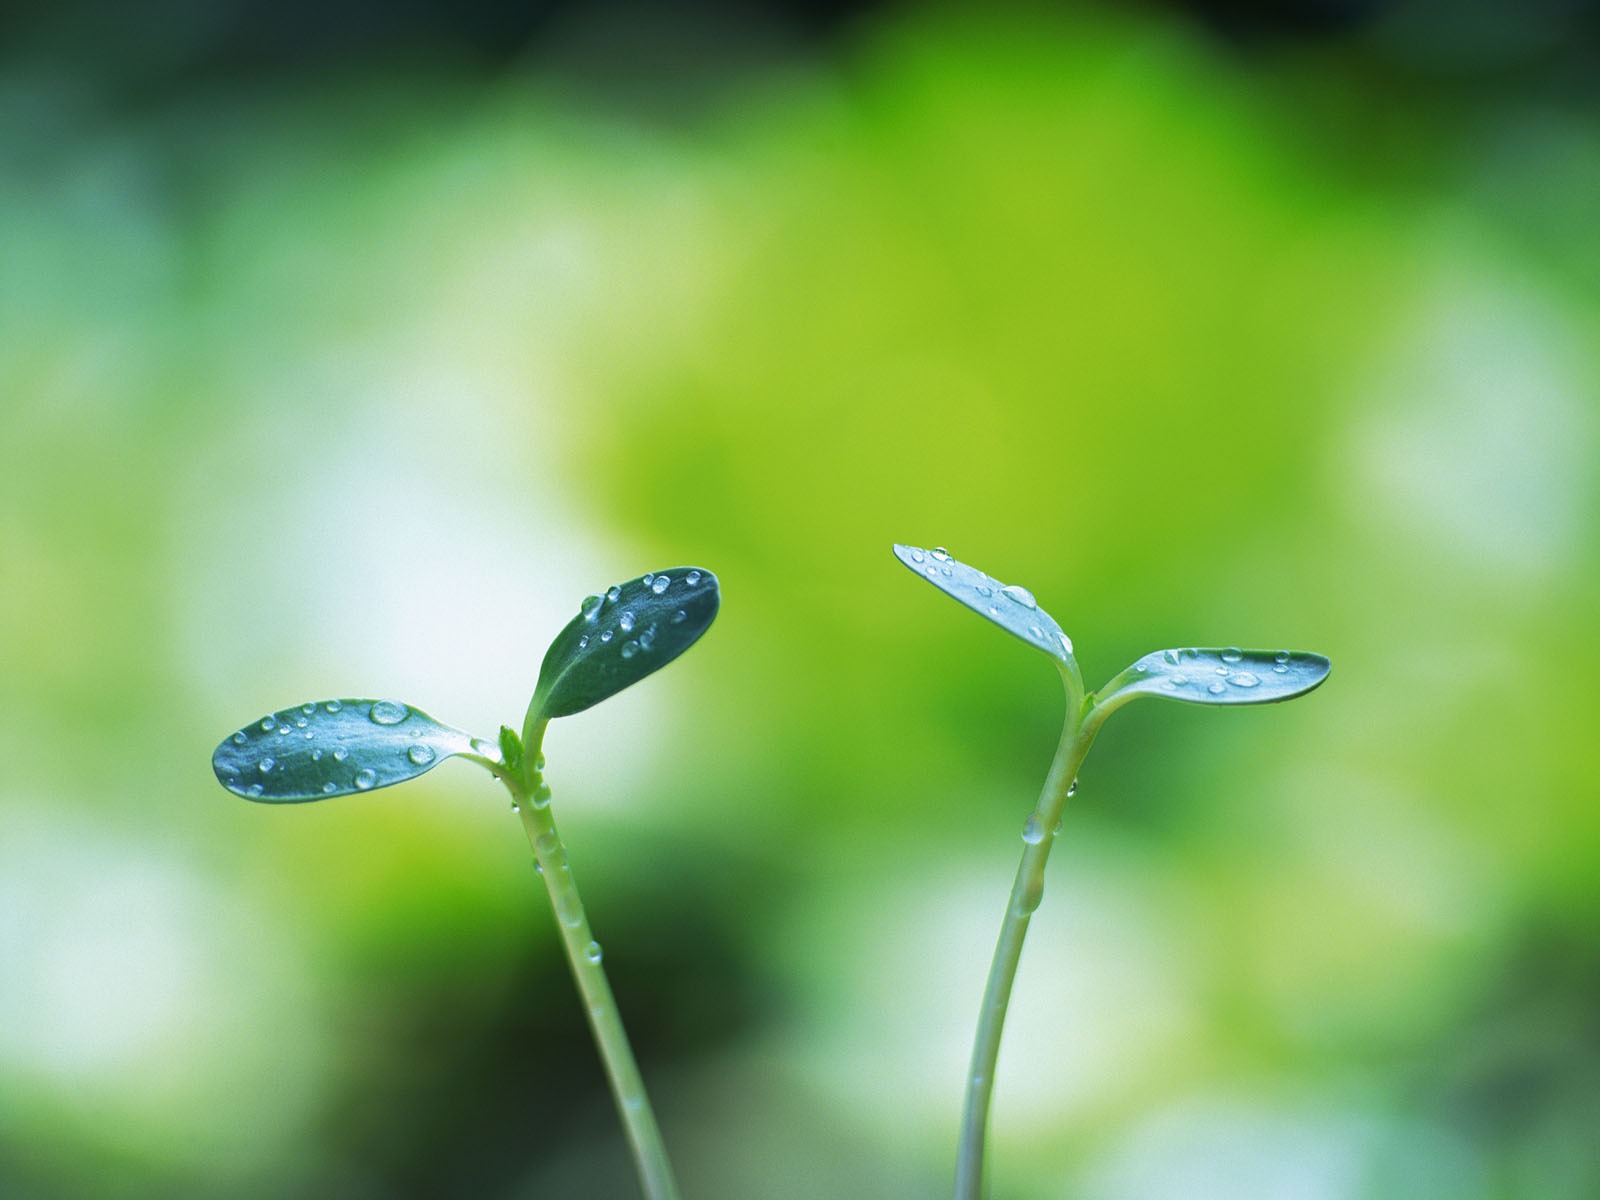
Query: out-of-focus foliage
pixel 353 382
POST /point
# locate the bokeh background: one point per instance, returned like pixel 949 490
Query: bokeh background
pixel 344 348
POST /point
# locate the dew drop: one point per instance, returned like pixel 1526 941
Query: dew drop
pixel 607 636
pixel 985 592
pixel 1216 689
pixel 316 756
pixel 1072 790
pixel 647 638
pixel 1243 679
pixel 1037 633
pixel 340 755
pixel 516 808
pixel 661 584
pixel 1180 680
pixel 421 755
pixel 266 764
pixel 308 709
pixel 256 789
pixel 329 788
pixel 1020 595
pixel 240 738
pixel 1140 669
pixel 283 729
pixel 333 706
pixel 1066 642
pixel 593 953
pixel 1232 655
pixel 626 621
pixel 541 796
pixel 649 578
pixel 1282 656
pixel 365 778
pixel 1171 656
pixel 933 570
pixel 268 724
pixel 1281 669
pixel 389 712
pixel 941 553
pixel 692 578
pixel 310 733
pixel 1033 830
pixel 583 642
pixel 917 556
pixel 590 608
pixel 301 722
pixel 570 912
pixel 993 611
pixel 546 843
pixel 613 594
pixel 629 649
pixel 679 617
pixel 946 572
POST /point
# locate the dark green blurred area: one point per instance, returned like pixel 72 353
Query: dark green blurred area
pixel 348 373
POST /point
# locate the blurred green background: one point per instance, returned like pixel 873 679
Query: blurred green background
pixel 342 351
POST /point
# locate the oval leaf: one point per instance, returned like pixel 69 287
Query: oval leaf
pixel 333 748
pixel 617 639
pixel 1011 607
pixel 1228 676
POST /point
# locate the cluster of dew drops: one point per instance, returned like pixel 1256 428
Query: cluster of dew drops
pixel 990 589
pixel 1227 675
pixel 593 606
pixel 382 712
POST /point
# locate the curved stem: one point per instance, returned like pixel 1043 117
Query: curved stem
pixel 531 799
pixel 1027 890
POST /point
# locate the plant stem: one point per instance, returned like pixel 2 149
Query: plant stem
pixel 1076 735
pixel 531 798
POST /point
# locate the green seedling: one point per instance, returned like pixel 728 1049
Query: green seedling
pixel 1227 677
pixel 335 747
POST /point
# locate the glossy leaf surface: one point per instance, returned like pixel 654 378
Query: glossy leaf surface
pixel 633 630
pixel 333 748
pixel 1226 676
pixel 1009 606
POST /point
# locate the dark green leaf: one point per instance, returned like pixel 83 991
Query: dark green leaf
pixel 334 748
pixel 617 639
pixel 1009 606
pixel 1228 676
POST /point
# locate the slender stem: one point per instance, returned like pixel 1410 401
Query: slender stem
pixel 1038 836
pixel 531 799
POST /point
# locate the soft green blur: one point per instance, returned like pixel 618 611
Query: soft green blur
pixel 358 388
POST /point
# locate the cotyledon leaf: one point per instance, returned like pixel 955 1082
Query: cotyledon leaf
pixel 633 630
pixel 1227 676
pixel 336 747
pixel 1009 606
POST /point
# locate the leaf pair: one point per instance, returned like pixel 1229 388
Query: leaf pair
pixel 1198 676
pixel 336 747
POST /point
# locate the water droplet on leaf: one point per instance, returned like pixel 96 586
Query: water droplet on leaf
pixel 593 953
pixel 421 755
pixel 365 778
pixel 626 621
pixel 661 584
pixel 1243 679
pixel 1033 830
pixel 1020 595
pixel 266 764
pixel 1216 689
pixel 389 712
pixel 692 578
pixel 1232 655
pixel 268 724
pixel 613 594
pixel 590 608
pixel 941 554
pixel 333 706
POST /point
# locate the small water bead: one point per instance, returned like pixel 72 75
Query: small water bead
pixel 268 724
pixel 1179 680
pixel 613 594
pixel 283 729
pixel 1020 595
pixel 340 755
pixel 679 617
pixel 1232 655
pixel 240 738
pixel 333 706
pixel 1033 830
pixel 256 789
pixel 985 592
pixel 941 553
pixel 389 712
pixel 647 638
pixel 541 796
pixel 546 843
pixel 1281 669
pixel 1171 656
pixel 570 912
pixel 583 642
pixel 266 764
pixel 538 763
pixel 607 635
pixel 661 584
pixel 1066 642
pixel 993 611
pixel 308 709
pixel 593 953
pixel 629 649
pixel 917 556
pixel 310 734
pixel 301 722
pixel 649 578
pixel 692 578
pixel 1282 656
pixel 366 778
pixel 590 608
pixel 421 755
pixel 1216 689
pixel 1243 679
pixel 1139 668
pixel 626 621
pixel 1037 633
pixel 933 571
pixel 946 572
pixel 316 755
pixel 1072 790
pixel 329 788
